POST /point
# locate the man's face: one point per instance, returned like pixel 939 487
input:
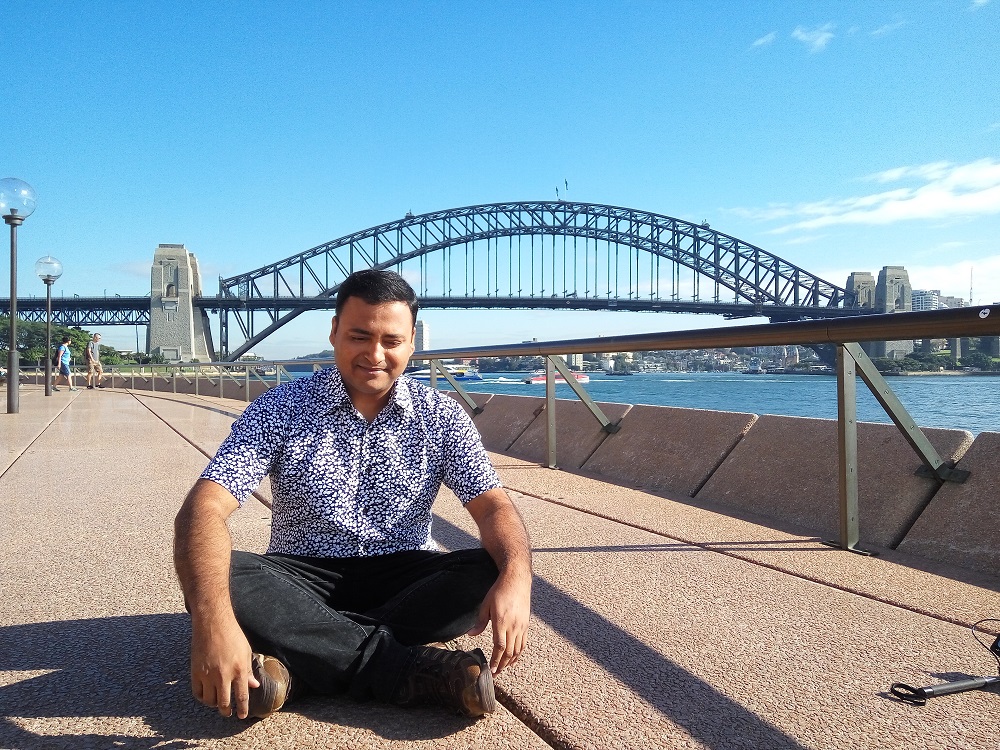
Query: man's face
pixel 372 344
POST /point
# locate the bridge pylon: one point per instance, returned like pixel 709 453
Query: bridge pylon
pixel 178 331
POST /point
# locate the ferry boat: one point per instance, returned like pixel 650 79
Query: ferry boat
pixel 755 367
pixel 538 377
pixel 459 372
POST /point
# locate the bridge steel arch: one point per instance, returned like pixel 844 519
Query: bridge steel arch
pixel 535 254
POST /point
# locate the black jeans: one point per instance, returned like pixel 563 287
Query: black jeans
pixel 346 624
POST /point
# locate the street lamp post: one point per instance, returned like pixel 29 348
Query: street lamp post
pixel 17 201
pixel 48 269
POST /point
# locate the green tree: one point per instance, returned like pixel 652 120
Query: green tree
pixel 978 359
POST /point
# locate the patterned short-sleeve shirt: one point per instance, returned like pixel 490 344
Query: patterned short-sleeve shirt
pixel 343 487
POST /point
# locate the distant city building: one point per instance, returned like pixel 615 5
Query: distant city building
pixel 926 299
pixel 423 340
pixel 862 285
pixel 952 302
pixel 575 360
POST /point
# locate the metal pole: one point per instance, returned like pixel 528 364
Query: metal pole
pixel 847 438
pixel 48 337
pixel 13 364
pixel 550 412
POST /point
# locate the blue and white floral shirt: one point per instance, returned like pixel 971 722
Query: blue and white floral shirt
pixel 343 487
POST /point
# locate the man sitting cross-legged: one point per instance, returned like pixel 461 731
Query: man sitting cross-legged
pixel 353 588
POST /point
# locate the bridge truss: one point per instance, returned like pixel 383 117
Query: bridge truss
pixel 84 311
pixel 555 254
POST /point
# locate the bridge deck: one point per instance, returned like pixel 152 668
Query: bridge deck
pixel 656 624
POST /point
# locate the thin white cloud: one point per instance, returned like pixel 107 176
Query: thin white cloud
pixel 888 28
pixel 977 4
pixel 132 268
pixel 816 39
pixel 953 279
pixel 939 190
pixel 765 40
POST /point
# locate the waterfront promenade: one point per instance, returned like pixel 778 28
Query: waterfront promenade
pixel 656 623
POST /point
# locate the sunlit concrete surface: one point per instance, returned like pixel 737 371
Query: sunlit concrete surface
pixel 657 624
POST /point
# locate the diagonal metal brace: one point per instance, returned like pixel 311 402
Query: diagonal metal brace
pixel 436 367
pixel 567 374
pixel 933 465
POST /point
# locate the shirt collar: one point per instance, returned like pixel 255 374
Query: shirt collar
pixel 330 389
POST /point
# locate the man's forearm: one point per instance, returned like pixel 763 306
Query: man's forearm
pixel 202 550
pixel 505 538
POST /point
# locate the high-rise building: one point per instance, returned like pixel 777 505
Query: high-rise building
pixel 952 302
pixel 423 338
pixel 926 299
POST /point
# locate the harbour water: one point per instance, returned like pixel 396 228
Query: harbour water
pixel 951 401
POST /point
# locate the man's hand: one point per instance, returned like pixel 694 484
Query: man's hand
pixel 508 606
pixel 221 675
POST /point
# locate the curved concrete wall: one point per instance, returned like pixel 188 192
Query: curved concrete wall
pixel 961 525
pixel 787 468
pixel 667 449
pixel 773 467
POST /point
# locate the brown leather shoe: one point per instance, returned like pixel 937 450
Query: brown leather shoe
pixel 457 680
pixel 275 686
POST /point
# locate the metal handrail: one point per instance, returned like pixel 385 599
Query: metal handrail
pixel 844 334
pixel 939 324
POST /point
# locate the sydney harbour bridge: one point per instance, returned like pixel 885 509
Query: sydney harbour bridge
pixel 522 255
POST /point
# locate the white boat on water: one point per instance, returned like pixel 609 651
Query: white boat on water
pixel 538 376
pixel 459 372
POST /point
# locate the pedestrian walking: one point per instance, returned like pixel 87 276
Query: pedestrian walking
pixel 63 357
pixel 94 370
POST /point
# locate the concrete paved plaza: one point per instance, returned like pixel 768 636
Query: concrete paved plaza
pixel 656 623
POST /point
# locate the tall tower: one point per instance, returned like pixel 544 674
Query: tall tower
pixel 177 331
pixel 862 284
pixel 893 294
pixel 423 337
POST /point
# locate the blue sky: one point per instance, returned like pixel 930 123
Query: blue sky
pixel 840 136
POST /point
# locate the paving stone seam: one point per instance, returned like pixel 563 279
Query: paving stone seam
pixel 263 500
pixel 752 561
pixel 547 734
pixel 35 439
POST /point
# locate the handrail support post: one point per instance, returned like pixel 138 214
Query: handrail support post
pixel 550 412
pixel 847 451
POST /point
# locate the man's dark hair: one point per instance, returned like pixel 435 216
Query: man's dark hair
pixel 375 287
pixel 66 339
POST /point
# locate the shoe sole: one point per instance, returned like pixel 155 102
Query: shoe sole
pixel 484 687
pixel 272 693
pixel 485 698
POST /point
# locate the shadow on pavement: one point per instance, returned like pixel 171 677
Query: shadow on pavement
pixel 684 699
pixel 122 682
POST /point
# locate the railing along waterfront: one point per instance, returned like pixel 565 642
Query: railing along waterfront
pixel 845 334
